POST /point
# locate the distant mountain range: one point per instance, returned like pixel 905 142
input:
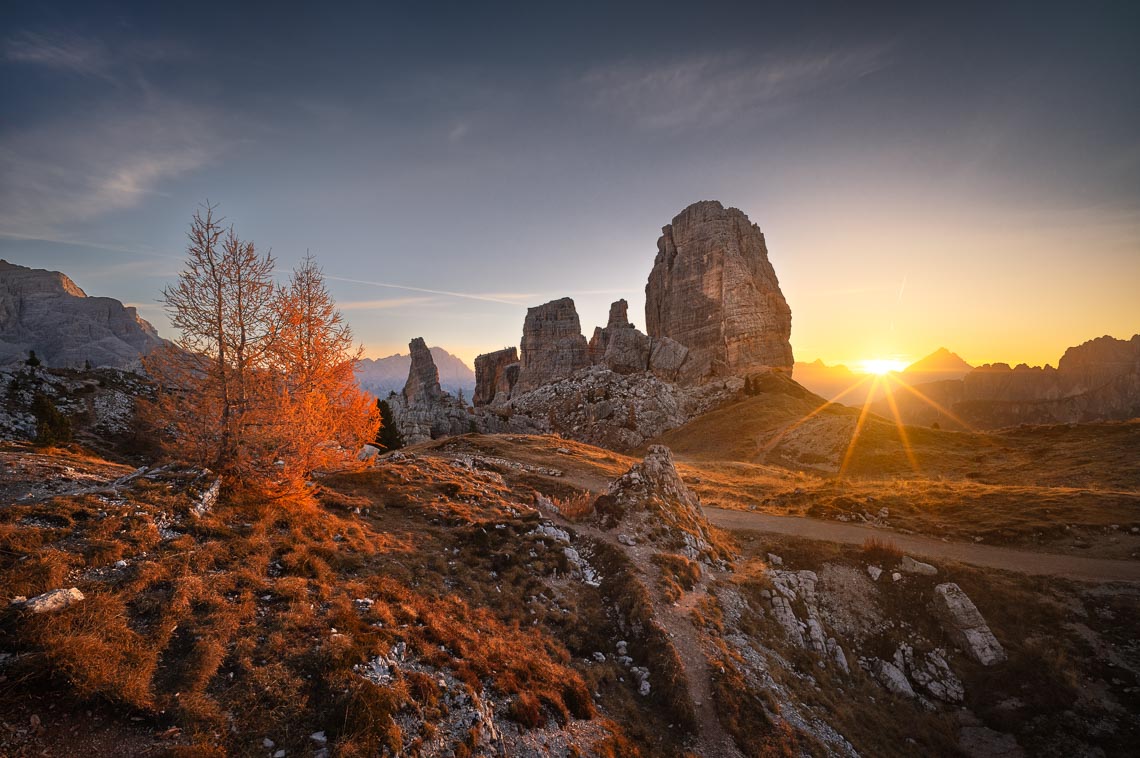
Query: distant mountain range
pixel 1095 381
pixel 841 384
pixel 383 375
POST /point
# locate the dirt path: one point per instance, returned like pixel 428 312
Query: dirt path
pixel 988 556
pixel 711 738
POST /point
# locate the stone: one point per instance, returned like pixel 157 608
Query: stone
pixel 55 600
pixel 47 312
pixel 552 345
pixel 875 572
pixel 909 565
pixel 493 379
pixel 892 678
pixel 422 386
pixel 965 625
pixel 368 453
pixel 713 290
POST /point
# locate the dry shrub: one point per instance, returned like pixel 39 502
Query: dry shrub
pixel 43 571
pixel 92 645
pixel 879 550
pixel 526 710
pixel 576 507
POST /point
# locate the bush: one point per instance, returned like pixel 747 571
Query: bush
pixel 52 427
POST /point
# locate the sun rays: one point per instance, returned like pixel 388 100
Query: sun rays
pixel 883 380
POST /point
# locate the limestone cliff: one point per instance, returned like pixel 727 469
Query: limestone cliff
pixel 46 312
pixel 713 290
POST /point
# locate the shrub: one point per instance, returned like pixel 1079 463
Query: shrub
pixel 52 427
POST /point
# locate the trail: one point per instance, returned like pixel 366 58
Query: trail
pixel 987 556
pixel 710 739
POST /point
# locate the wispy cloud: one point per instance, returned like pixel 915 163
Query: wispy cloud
pixel 504 298
pixel 64 51
pixel 58 174
pixel 713 89
pixel 382 304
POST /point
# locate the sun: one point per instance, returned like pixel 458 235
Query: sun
pixel 880 366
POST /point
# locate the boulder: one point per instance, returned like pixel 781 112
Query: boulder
pixel 55 600
pixel 965 626
pixel 552 345
pixel 713 290
pixel 495 376
pixel 909 565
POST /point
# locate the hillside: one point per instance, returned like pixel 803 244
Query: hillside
pixel 467 597
pixel 46 312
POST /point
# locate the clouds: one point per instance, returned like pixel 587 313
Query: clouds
pixel 714 89
pixel 62 51
pixel 105 150
pixel 60 173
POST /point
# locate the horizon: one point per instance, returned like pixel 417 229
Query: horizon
pixel 449 174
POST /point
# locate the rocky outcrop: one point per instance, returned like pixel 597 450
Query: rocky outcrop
pixel 965 626
pixel 1096 381
pixel 620 346
pixel 383 375
pixel 423 411
pixel 495 376
pixel 651 504
pixel 602 407
pixel 552 345
pixel 46 312
pixel 422 386
pixel 713 290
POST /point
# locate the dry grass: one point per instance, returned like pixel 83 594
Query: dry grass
pixel 253 609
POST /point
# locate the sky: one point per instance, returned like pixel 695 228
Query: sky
pixel 964 176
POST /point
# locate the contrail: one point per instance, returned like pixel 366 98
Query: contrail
pixel 468 296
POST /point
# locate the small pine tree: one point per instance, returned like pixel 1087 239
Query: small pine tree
pixel 389 437
pixel 747 385
pixel 87 364
pixel 32 361
pixel 52 427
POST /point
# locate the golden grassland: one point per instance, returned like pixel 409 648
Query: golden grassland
pixel 254 610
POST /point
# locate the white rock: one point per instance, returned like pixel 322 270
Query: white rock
pixel 319 738
pixel 55 600
pixel 909 565
pixel 965 625
pixel 368 453
pixel 875 573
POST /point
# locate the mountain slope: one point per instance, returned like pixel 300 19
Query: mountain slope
pixel 47 312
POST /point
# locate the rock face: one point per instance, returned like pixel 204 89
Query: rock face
pixel 965 625
pixel 495 376
pixel 422 386
pixel 713 290
pixel 1098 380
pixel 423 411
pixel 46 312
pixel 619 346
pixel 552 344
